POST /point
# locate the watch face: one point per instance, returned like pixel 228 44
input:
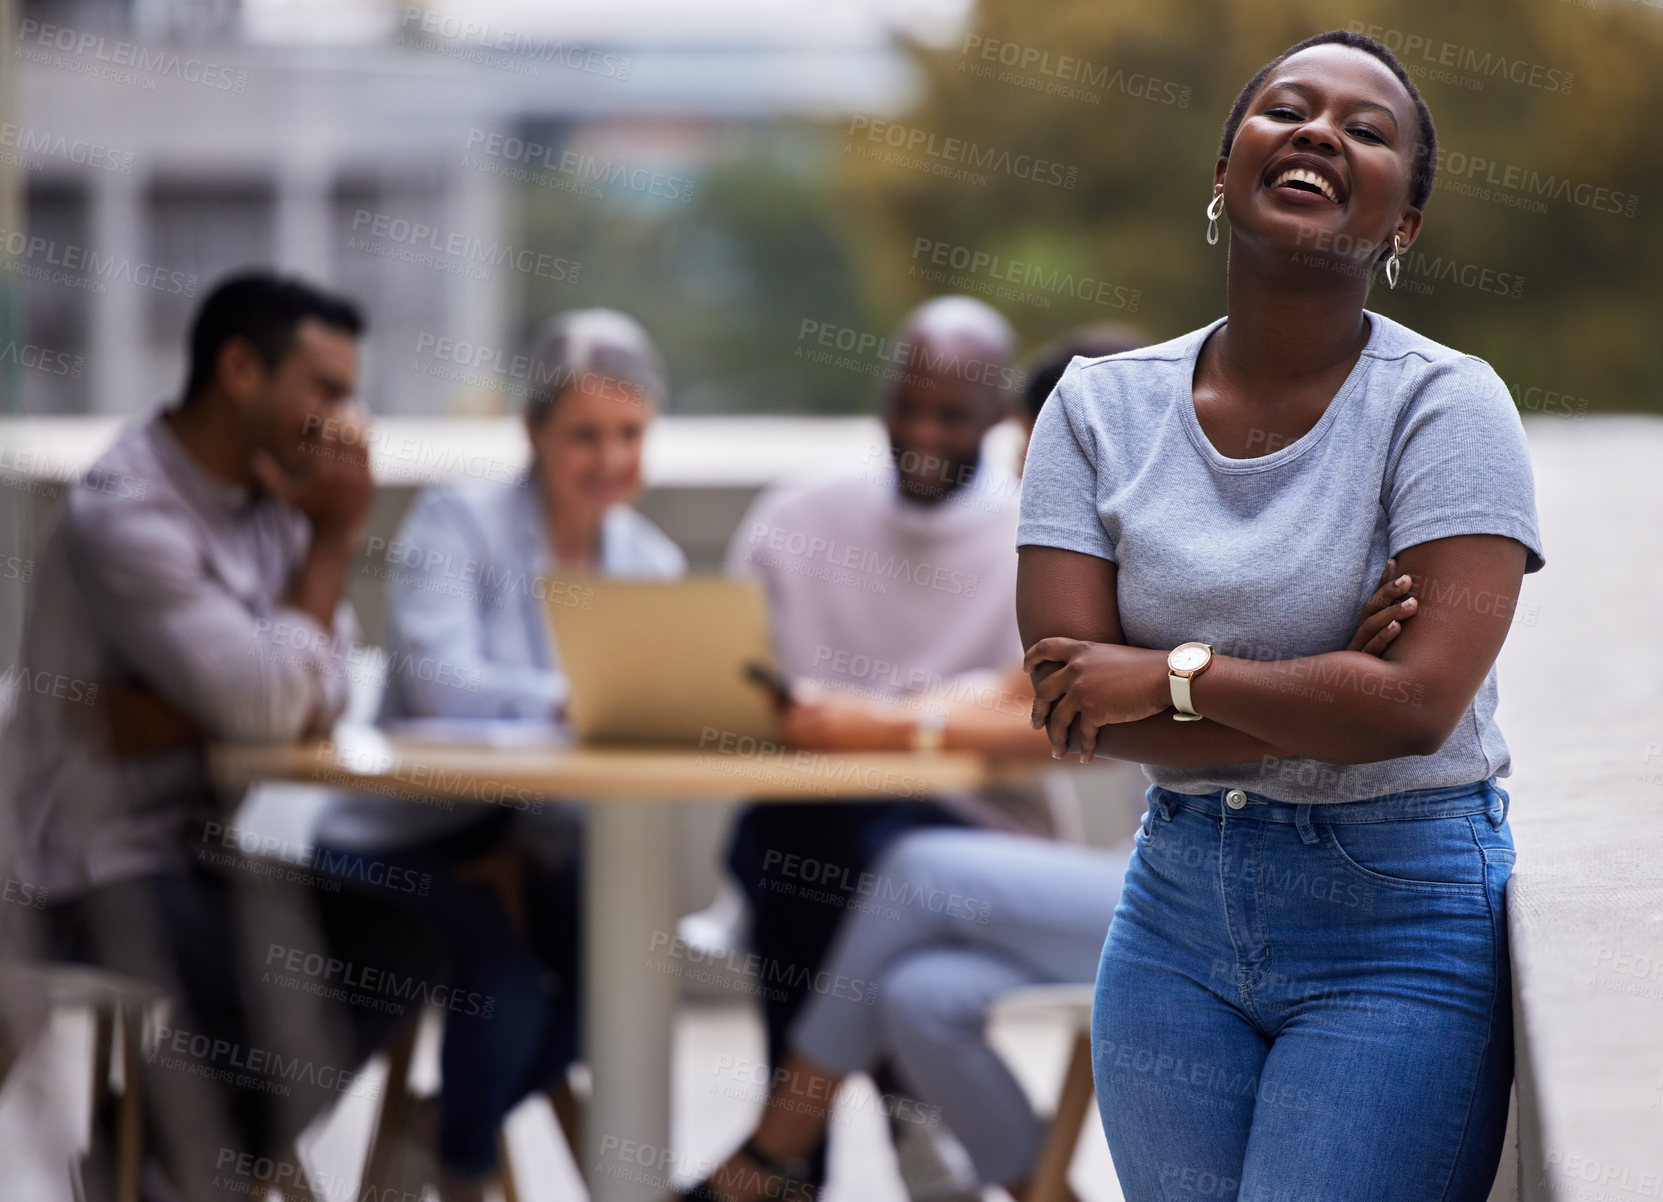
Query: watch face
pixel 1187 658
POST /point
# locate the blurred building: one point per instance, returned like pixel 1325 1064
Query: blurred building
pixel 374 146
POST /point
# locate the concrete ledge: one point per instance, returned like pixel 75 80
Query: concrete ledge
pixel 1582 709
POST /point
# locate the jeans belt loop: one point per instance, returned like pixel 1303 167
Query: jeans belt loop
pixel 1498 814
pixel 1302 823
pixel 1166 806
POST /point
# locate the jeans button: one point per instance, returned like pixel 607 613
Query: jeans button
pixel 1235 799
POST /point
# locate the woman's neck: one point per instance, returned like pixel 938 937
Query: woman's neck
pixel 574 535
pixel 1289 323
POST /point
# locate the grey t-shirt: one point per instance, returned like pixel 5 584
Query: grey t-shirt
pixel 1272 558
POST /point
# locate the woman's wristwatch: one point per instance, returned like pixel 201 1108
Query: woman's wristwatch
pixel 1184 663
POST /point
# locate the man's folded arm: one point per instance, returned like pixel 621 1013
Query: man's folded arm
pixel 242 677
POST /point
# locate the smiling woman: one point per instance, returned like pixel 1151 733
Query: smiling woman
pixel 1312 926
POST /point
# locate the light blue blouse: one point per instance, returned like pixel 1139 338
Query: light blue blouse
pixel 467 579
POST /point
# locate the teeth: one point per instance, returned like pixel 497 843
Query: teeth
pixel 1305 176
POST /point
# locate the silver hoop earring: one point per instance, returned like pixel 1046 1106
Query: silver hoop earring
pixel 1215 207
pixel 1392 265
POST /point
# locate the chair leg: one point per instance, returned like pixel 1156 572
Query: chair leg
pixel 103 1052
pixel 1050 1180
pixel 129 1126
pixel 568 1112
pixel 395 1112
pixel 510 1188
pixel 302 1190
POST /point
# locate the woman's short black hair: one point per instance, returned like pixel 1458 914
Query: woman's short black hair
pixel 1426 153
pixel 263 309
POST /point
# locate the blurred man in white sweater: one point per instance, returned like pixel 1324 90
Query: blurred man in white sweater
pixel 896 585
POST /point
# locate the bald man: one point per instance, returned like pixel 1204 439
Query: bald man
pixel 894 585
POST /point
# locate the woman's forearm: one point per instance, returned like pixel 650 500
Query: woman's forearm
pixel 1160 741
pixel 996 721
pixel 1342 707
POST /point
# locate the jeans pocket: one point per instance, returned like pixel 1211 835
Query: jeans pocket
pixel 1145 834
pixel 1420 855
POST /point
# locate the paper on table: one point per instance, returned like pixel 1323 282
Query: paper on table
pixel 479 732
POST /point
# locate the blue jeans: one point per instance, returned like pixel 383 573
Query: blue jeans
pixel 517 1025
pixel 1309 1003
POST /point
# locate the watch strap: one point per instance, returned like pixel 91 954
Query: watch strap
pixel 1181 703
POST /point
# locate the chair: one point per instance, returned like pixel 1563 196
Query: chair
pixel 115 1003
pixel 392 1122
pixel 1072 1004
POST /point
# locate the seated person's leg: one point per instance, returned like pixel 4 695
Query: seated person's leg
pixel 554 903
pixel 798 866
pixel 496 1006
pixel 496 1029
pixel 1041 904
pixel 932 1008
pixel 364 924
pixel 178 933
pixel 950 920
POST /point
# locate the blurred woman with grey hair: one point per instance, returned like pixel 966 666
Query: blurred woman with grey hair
pixel 468 577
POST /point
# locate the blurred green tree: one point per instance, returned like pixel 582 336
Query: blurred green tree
pixel 1544 112
pixel 723 279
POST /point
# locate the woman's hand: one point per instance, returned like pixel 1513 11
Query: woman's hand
pixel 823 721
pixel 1101 683
pixel 1385 612
pixel 1096 683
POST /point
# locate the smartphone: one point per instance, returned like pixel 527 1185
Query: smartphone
pixel 779 688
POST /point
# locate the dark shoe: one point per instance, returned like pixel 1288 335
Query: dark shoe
pixel 791 1173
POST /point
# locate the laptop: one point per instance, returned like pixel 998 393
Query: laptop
pixel 664 662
